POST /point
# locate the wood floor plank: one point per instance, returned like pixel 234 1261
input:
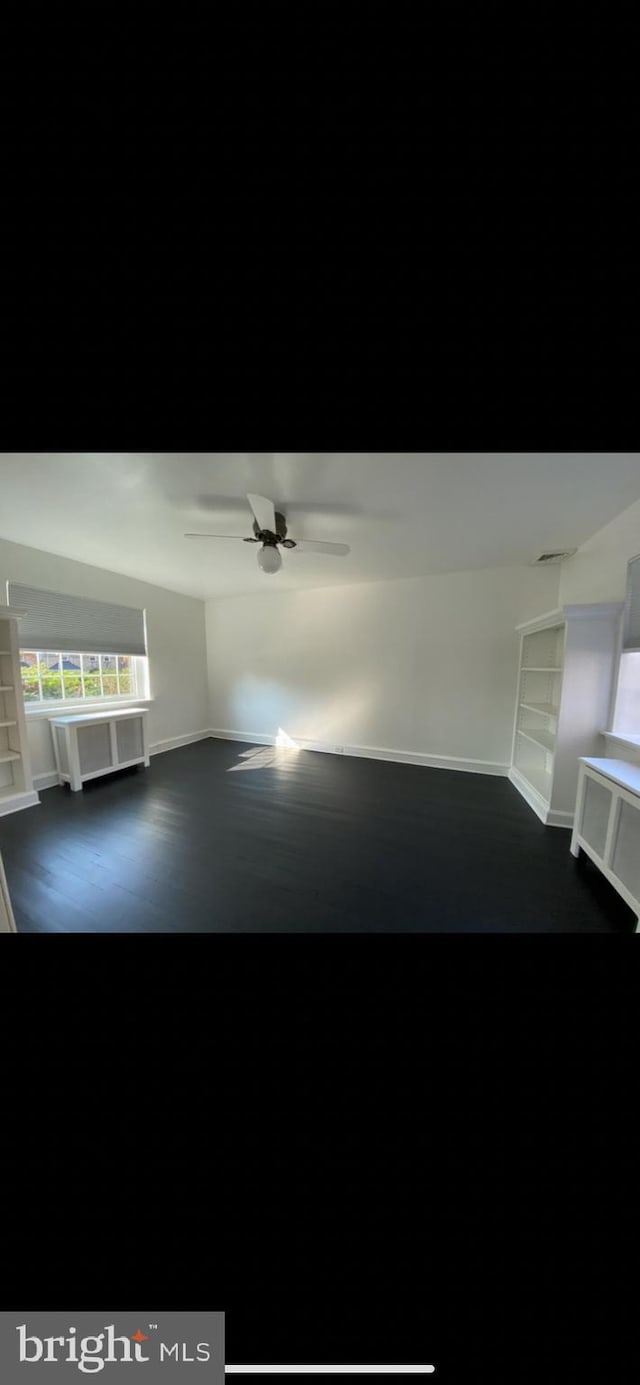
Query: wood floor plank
pixel 218 837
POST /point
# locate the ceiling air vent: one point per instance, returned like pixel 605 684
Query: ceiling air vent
pixel 554 557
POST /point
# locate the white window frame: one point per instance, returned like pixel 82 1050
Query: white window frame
pixel 629 739
pixel 49 706
pixel 616 730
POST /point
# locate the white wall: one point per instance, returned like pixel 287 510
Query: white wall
pixel 422 666
pixel 598 572
pixel 175 632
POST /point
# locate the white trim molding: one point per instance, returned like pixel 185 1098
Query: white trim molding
pixel 372 752
pixel 174 743
pixel 17 801
pixel 631 744
pixel 584 611
pixel 48 780
pixel 551 817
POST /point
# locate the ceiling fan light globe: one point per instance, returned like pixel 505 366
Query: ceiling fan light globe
pixel 269 559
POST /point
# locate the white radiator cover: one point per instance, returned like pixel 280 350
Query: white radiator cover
pixel 95 743
pixel 607 823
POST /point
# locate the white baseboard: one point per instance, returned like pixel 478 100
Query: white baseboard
pixel 534 799
pixel 46 781
pixel 373 752
pixel 557 819
pixel 175 742
pixel 551 817
pixel 16 802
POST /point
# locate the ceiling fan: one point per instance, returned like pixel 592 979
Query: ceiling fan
pixel 270 530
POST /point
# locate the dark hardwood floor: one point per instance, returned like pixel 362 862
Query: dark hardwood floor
pixel 220 836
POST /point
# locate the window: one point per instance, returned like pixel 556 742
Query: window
pixel 72 677
pixel 626 720
pixel 67 660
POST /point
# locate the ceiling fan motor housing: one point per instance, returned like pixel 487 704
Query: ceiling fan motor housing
pixel 280 535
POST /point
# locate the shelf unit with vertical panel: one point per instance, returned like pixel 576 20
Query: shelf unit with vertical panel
pixel 567 662
pixel 16 783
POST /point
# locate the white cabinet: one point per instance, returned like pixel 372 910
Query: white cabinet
pixel 567 661
pixel 95 743
pixel 607 823
pixel 16 783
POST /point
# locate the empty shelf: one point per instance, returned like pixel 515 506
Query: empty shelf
pixel 542 738
pixel 546 709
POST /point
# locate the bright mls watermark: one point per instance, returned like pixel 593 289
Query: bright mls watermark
pixel 69 1345
pixel 167 1347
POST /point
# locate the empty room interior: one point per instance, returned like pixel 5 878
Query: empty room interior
pixel 330 692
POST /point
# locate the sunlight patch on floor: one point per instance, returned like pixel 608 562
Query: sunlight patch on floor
pixel 284 740
pixel 282 755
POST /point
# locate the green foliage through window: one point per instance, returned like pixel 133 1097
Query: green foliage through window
pixel 70 677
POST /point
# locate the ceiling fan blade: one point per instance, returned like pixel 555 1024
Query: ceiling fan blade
pixel 217 536
pixel 263 512
pixel 339 550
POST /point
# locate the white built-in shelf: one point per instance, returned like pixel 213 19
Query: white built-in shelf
pixel 567 659
pixel 542 738
pixel 546 708
pixel 16 782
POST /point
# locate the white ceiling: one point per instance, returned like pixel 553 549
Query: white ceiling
pixel 404 514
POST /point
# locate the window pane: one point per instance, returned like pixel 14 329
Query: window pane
pixel 72 685
pixel 91 663
pixel 29 675
pixel 71 679
pixel 110 684
pixel 50 675
pixel 108 663
pixel 92 686
pixel 51 684
pixel 125 671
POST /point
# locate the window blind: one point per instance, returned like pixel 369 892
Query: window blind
pixel 631 636
pixel 57 621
